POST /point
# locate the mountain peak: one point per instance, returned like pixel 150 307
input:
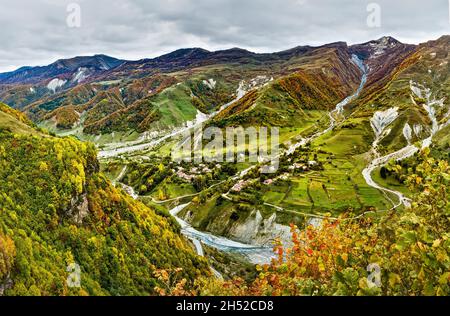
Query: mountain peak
pixel 77 67
pixel 185 53
pixel 234 52
pixel 387 39
pixel 237 49
pixel 103 62
pixel 377 48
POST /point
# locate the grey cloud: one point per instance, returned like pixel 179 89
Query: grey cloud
pixel 35 31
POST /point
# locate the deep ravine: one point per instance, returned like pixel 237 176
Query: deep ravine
pixel 254 254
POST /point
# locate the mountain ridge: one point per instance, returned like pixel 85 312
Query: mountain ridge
pixel 134 95
pixel 58 210
pixel 183 53
pixel 62 68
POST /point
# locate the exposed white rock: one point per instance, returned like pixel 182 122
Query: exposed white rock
pixel 259 81
pixel 210 83
pixel 80 75
pixel 55 84
pixel 259 231
pixel 407 133
pixel 430 106
pixel 103 65
pixel 418 130
pixel 383 119
pixel 415 89
pixel 130 191
pixel 199 118
pixel 82 211
pixel 315 222
pixel 247 231
pixel 380 47
pixel 6 284
pixel 79 209
pixel 427 142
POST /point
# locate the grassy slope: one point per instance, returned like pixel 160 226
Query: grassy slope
pixel 295 100
pixel 428 66
pixel 320 69
pixel 15 122
pixel 316 82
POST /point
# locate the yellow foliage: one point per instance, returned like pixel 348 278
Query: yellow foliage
pixel 7 255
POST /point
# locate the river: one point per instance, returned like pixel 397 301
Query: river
pixel 259 255
pixel 254 254
pixel 124 148
pixel 338 110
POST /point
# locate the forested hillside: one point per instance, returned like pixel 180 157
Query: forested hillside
pixel 57 210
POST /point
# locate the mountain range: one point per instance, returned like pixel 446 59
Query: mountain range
pixel 115 95
pixel 87 174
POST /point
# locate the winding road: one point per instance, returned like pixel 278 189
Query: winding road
pixel 401 154
pixel 255 254
pixel 408 151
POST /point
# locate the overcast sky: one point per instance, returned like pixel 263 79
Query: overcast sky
pixel 35 32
